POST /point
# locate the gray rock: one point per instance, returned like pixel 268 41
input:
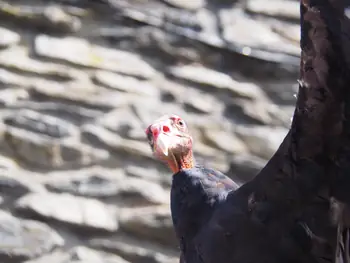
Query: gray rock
pixel 125 84
pixel 79 94
pixel 212 78
pixel 18 59
pixel 276 8
pixel 41 123
pixel 135 250
pixel 58 256
pixel 25 239
pixel 143 192
pixel 170 47
pixel 112 141
pixel 202 104
pixel 79 254
pixel 7 164
pixel 136 134
pixel 262 141
pixel 110 185
pixel 8 78
pixel 8 38
pixel 224 141
pixel 248 90
pixel 190 5
pixel 237 28
pixel 83 254
pixel 152 223
pixel 16 182
pixel 73 113
pixel 287 30
pixel 12 186
pixel 56 18
pixel 75 10
pixel 90 185
pixel 202 148
pixel 74 154
pixel 245 167
pixel 248 112
pixel 45 141
pixel 80 81
pixel 50 18
pixel 74 211
pixel 148 173
pixel 170 19
pixel 281 115
pixel 80 52
pixel 28 148
pixel 148 112
pixel 282 93
pixel 10 97
pixel 201 75
pixel 122 121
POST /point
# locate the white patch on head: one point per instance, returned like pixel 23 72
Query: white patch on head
pixel 163 143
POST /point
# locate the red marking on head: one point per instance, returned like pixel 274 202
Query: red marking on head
pixel 152 131
pixel 166 128
pixel 175 118
pixel 155 133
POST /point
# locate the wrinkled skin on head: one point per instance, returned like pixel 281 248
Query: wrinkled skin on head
pixel 169 139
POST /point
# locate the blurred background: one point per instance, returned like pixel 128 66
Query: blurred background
pixel 80 80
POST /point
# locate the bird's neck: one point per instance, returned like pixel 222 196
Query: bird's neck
pixel 182 161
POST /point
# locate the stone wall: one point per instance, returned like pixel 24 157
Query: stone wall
pixel 81 79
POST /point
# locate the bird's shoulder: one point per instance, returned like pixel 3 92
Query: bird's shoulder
pixel 208 178
pixel 218 179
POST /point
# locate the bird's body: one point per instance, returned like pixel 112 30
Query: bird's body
pixel 195 194
pixel 203 216
pixel 200 218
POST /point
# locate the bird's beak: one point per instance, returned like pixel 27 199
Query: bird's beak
pixel 159 140
pixel 162 143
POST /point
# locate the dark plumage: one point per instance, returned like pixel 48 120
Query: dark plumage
pixel 216 220
pixel 283 214
pixel 195 194
pixel 209 230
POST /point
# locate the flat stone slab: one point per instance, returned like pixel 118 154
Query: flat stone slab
pixel 25 239
pixel 82 53
pixel 74 211
pixel 8 38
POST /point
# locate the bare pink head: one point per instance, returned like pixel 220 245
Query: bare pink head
pixel 170 142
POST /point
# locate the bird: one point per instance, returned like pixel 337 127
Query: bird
pixel 198 192
pixel 281 215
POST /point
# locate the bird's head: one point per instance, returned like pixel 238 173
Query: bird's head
pixel 171 142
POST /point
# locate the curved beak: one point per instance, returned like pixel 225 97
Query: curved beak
pixel 163 143
pixel 158 137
